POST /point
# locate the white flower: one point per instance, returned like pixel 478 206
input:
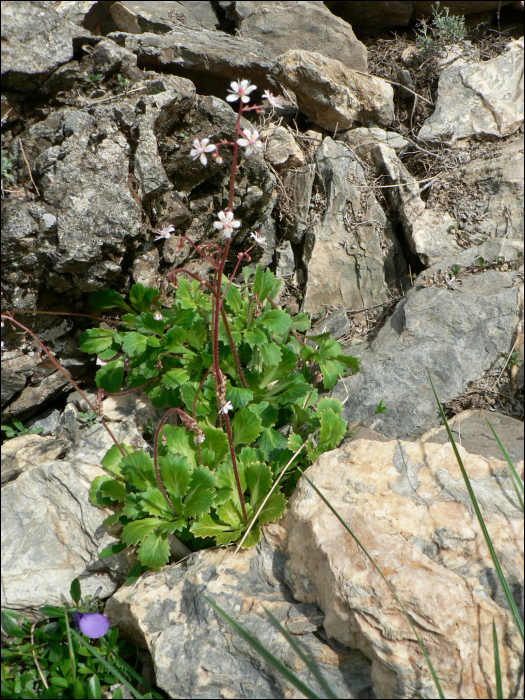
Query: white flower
pixel 164 231
pixel 275 101
pixel 251 143
pixel 261 240
pixel 157 316
pixel 226 223
pixel 200 148
pixel 227 407
pixel 199 438
pixel 241 89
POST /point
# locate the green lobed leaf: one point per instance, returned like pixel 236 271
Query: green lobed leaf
pixel 154 550
pixel 175 473
pixel 113 457
pixel 174 339
pixel 258 480
pixel 226 477
pixel 300 322
pixel 326 404
pixel 233 298
pixel 138 469
pixel 142 297
pixel 253 537
pixel 134 344
pixel 108 299
pixel 255 337
pixel 96 496
pixel 272 443
pixel 199 497
pixel 96 340
pixel 239 396
pixel 275 321
pixel 187 392
pixel 147 324
pixel 109 377
pixel 75 590
pixel 154 503
pixel 246 427
pixel 111 550
pixel 283 369
pixel 113 489
pixel 271 354
pixel 175 377
pixel 133 506
pixel 294 442
pixel 206 526
pixel 178 441
pixel 111 519
pixel 230 512
pixel 263 282
pixel 216 441
pixel 273 508
pixel 136 531
pixel 332 431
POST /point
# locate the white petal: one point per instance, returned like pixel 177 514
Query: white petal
pixel 205 142
pixel 196 143
pixel 232 98
pixel 235 224
pixel 203 159
pixel 209 148
pixel 243 142
pixel 222 215
pixel 245 99
pixel 218 225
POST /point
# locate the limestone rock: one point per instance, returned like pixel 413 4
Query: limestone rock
pixel 197 654
pixel 281 26
pixel 345 262
pixel 211 59
pixel 282 150
pixel 470 430
pixel 430 233
pixel 412 513
pixel 456 334
pixel 16 368
pixel 51 534
pixel 35 43
pixel 481 100
pixel 26 451
pixel 332 95
pixel 336 323
pixel 139 17
pixel 91 444
pixel 284 260
pixel 361 140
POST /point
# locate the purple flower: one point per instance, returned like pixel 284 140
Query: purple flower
pixel 93 625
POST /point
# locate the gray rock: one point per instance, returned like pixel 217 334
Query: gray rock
pixel 281 149
pixel 336 323
pixel 496 209
pixel 480 100
pixel 16 368
pixel 470 430
pixel 298 184
pixel 91 444
pixel 51 534
pixel 455 334
pixel 284 260
pixel 27 451
pixel 281 26
pixel 210 59
pixel 166 612
pixel 36 42
pixel 348 250
pixel 161 18
pixel 68 424
pixel 47 420
pixel 362 139
pixel 333 96
pixel 430 233
pixel 36 394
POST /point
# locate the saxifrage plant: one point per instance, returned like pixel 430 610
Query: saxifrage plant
pixel 238 374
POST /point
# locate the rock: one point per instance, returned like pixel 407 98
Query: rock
pixel 284 260
pixel 26 451
pixel 146 269
pixel 282 150
pixel 482 100
pixel 136 407
pixel 336 323
pixel 372 17
pixel 362 139
pixel 48 421
pixel 496 210
pixel 91 444
pixel 51 534
pixel 34 395
pixel 298 185
pixel 17 366
pixel 332 95
pixel 430 233
pixel 413 515
pixel 36 42
pixel 346 241
pixel 210 59
pixel 138 17
pixel 166 612
pixel 457 335
pixel 281 26
pixel 470 430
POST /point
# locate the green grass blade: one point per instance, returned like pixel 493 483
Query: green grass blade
pixel 255 643
pixel 109 667
pixel 513 473
pixel 497 668
pixel 72 656
pixel 363 548
pixel 291 641
pixel 499 572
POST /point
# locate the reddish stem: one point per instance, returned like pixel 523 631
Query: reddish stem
pixel 66 375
